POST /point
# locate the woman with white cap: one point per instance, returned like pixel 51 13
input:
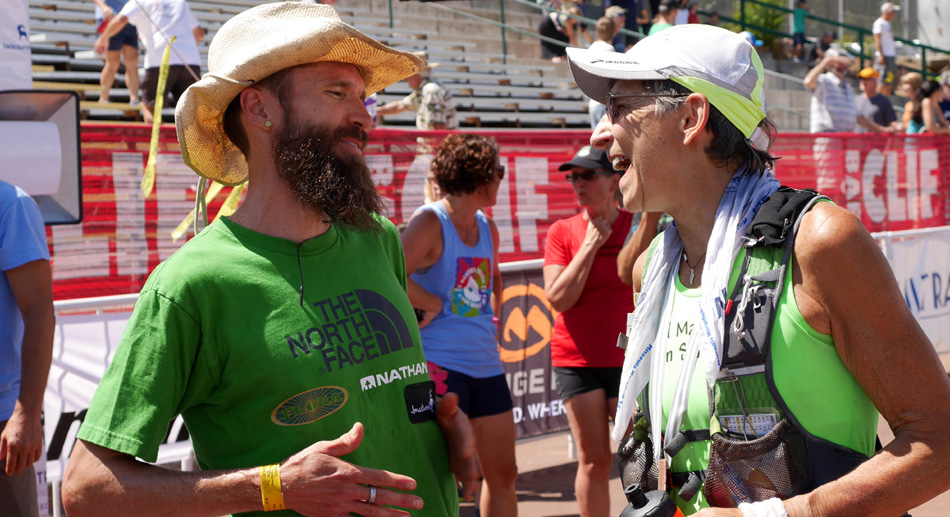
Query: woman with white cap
pixel 769 329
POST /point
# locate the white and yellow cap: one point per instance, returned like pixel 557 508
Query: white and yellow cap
pixel 705 59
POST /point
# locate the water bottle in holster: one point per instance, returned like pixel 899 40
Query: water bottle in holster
pixel 656 503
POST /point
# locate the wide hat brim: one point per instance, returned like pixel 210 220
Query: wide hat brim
pixel 256 44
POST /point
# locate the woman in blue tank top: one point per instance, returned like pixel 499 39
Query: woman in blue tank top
pixel 451 251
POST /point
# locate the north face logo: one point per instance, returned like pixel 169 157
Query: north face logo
pixel 359 326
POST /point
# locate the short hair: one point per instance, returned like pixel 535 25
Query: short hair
pixel 605 28
pixel 945 78
pixel 464 162
pixel 277 83
pixel 729 146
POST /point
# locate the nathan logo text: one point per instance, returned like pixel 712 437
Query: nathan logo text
pixel 396 374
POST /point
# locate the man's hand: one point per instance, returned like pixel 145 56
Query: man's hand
pixel 461 441
pixel 316 482
pixel 22 441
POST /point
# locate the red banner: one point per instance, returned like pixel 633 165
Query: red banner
pixel 891 182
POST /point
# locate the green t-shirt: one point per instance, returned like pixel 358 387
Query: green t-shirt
pixel 657 27
pixel 265 346
pixel 798 20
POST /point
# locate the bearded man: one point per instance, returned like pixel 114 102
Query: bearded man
pixel 283 334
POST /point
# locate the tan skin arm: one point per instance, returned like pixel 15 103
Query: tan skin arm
pixel 199 33
pixel 811 78
pixel 563 285
pixel 636 245
pixel 103 482
pixel 112 28
pixel 870 125
pixel 107 12
pixel 908 108
pixel 422 244
pixel 933 125
pixel 497 285
pixel 877 45
pixel 391 108
pixel 882 345
pixel 21 443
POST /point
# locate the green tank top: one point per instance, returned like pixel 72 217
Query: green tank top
pixel 809 375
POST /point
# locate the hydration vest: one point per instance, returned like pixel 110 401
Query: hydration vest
pixel 759 448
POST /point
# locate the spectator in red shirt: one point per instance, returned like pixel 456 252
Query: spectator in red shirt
pixel 582 257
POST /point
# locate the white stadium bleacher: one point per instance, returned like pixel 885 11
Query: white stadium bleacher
pixel 491 88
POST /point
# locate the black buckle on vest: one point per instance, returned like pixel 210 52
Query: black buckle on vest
pixel 682 438
pixel 689 483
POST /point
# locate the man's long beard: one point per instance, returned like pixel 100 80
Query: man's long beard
pixel 341 188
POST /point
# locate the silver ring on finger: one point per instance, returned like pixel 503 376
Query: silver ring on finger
pixel 372 495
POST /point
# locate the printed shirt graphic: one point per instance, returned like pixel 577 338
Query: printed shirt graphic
pixel 259 374
pixel 683 308
pixel 472 293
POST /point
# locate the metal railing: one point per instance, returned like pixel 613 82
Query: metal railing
pixel 501 23
pixel 861 33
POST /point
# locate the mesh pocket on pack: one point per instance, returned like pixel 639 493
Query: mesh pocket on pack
pixel 747 471
pixel 636 462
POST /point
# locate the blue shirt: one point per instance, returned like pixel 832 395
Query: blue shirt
pixel 22 240
pixel 116 6
pixel 462 336
pixel 945 108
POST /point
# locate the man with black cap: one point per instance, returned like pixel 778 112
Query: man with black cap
pixel 283 334
pixel 750 416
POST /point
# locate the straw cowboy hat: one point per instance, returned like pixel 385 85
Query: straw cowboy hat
pixel 257 43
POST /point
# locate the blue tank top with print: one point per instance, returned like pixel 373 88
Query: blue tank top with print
pixel 462 336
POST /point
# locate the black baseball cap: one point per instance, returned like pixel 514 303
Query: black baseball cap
pixel 589 158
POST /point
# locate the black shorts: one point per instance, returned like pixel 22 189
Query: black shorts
pixel 179 79
pixel 576 380
pixel 798 38
pixel 477 397
pixel 128 36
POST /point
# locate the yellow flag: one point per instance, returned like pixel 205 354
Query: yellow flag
pixel 213 191
pixel 148 178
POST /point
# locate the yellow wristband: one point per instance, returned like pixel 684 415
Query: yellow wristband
pixel 270 488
